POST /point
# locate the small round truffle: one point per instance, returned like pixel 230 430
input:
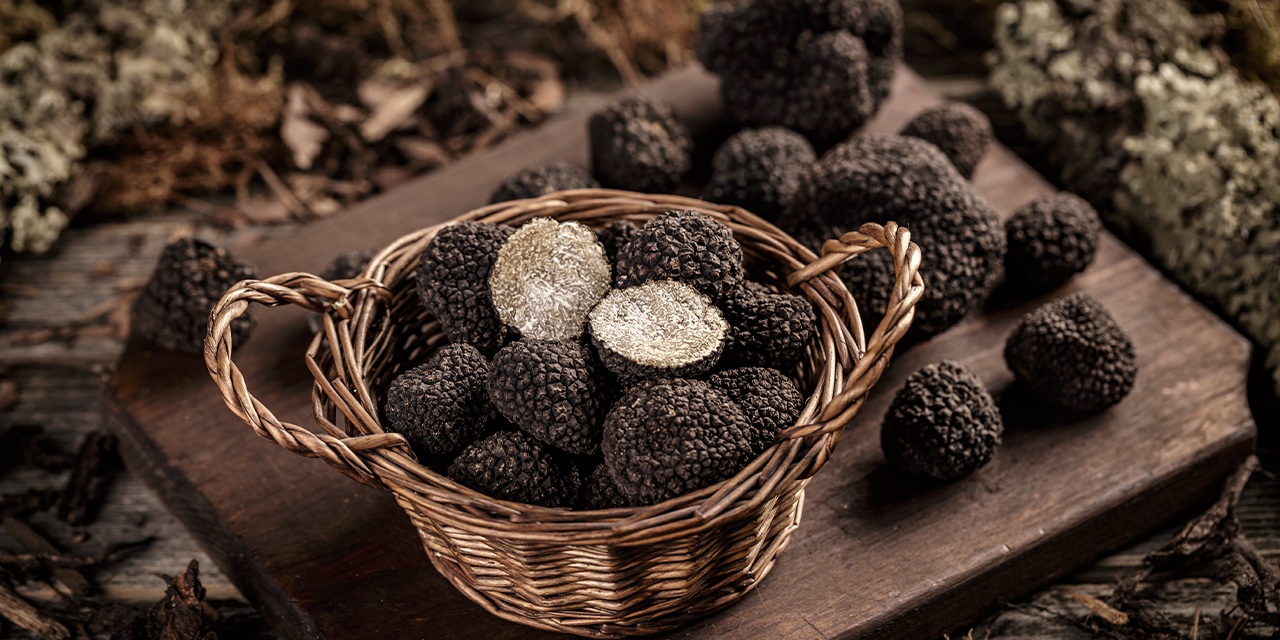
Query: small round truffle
pixel 599 491
pixel 941 423
pixel 686 246
pixel 759 169
pixel 1050 239
pixel 614 236
pixel 667 438
pixel 441 406
pixel 510 465
pixel 551 389
pixel 638 144
pixel 453 282
pixel 539 180
pixel 344 267
pixel 767 328
pixel 191 276
pixel 770 401
pixel 547 277
pixel 658 329
pixel 1073 353
pixel 962 133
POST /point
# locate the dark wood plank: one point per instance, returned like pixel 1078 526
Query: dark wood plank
pixel 878 554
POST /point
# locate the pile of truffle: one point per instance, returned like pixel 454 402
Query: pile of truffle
pixel 596 369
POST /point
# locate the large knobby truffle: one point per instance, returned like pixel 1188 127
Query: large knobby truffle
pixel 189 279
pixel 1050 239
pixel 614 236
pixel 453 282
pixel 961 131
pixel 441 406
pixel 599 491
pixel 759 169
pixel 510 465
pixel 539 180
pixel 941 423
pixel 547 277
pixel 658 329
pixel 638 144
pixel 551 389
pixel 1073 353
pixel 770 401
pixel 767 328
pixel 687 246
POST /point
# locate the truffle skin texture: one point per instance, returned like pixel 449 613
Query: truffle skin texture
pixel 767 328
pixel 614 236
pixel 441 406
pixel 191 276
pixel 453 282
pixel 551 389
pixel 1072 352
pixel 1050 239
pixel 941 423
pixel 665 439
pixel 511 465
pixel 962 133
pixel 599 491
pixel 685 246
pixel 540 180
pixel 758 170
pixel 638 144
pixel 768 399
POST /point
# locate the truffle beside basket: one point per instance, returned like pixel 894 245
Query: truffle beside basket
pixel 608 573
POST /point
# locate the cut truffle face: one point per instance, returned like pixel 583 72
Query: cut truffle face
pixel 769 400
pixel 510 465
pixel 941 423
pixel 547 277
pixel 686 246
pixel 962 133
pixel 665 439
pixel 658 329
pixel 552 390
pixel 1050 239
pixel 1073 353
pixel 191 276
pixel 542 179
pixel 638 144
pixel 759 169
pixel 599 491
pixel 768 328
pixel 441 406
pixel 453 282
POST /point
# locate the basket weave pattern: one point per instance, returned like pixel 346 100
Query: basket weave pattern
pixel 607 573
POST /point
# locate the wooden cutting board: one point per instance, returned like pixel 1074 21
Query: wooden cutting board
pixel 878 554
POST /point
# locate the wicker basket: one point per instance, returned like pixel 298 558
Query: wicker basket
pixel 608 573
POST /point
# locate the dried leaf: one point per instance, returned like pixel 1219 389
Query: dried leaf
pixel 546 90
pixel 421 151
pixel 304 138
pixel 394 111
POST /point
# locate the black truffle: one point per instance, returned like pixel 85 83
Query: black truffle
pixel 441 406
pixel 344 267
pixel 638 144
pixel 667 438
pixel 599 491
pixel 510 465
pixel 941 423
pixel 614 236
pixel 191 276
pixel 551 389
pixel 758 170
pixel 542 179
pixel 685 246
pixel 768 328
pixel 962 133
pixel 453 282
pixel 1050 239
pixel 770 401
pixel 662 328
pixel 1072 352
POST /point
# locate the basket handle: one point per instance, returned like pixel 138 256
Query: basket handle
pixel 300 289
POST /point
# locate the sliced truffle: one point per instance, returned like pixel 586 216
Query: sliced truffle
pixel 759 169
pixel 191 276
pixel 441 406
pixel 599 491
pixel 614 236
pixel 768 328
pixel 1073 353
pixel 667 438
pixel 658 329
pixel 539 180
pixel 453 282
pixel 547 277
pixel 770 401
pixel 941 423
pixel 687 246
pixel 638 144
pixel 511 465
pixel 962 133
pixel 1050 239
pixel 551 389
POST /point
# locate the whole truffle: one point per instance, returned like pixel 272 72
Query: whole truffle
pixel 770 401
pixel 686 246
pixel 665 439
pixel 638 144
pixel 344 267
pixel 1073 353
pixel 453 282
pixel 191 276
pixel 552 390
pixel 767 328
pixel 962 133
pixel 941 423
pixel 510 465
pixel 539 180
pixel 658 329
pixel 758 170
pixel 599 491
pixel 614 236
pixel 1050 239
pixel 547 277
pixel 441 406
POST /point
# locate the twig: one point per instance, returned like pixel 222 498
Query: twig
pixel 21 613
pixel 36 543
pixel 283 192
